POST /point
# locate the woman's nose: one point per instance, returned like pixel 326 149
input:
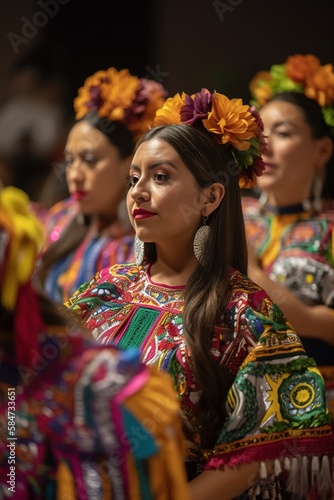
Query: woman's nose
pixel 75 170
pixel 139 191
pixel 267 142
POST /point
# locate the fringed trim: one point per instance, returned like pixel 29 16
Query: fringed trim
pixel 310 475
pixel 269 486
pixel 306 478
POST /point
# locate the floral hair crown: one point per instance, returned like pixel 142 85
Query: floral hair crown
pixel 300 73
pixel 122 97
pixel 232 123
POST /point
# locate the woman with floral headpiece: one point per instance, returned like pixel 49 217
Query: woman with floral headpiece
pixel 254 414
pixel 291 227
pixel 77 420
pixel 91 229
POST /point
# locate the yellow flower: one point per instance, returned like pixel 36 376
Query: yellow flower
pixel 231 121
pixel 260 87
pixel 170 111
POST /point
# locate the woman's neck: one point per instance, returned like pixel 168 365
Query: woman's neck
pixel 174 271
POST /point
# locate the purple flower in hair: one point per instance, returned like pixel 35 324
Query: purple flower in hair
pixel 96 100
pixel 148 92
pixel 196 107
pixel 259 123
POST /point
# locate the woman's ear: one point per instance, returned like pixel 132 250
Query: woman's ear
pixel 214 195
pixel 324 152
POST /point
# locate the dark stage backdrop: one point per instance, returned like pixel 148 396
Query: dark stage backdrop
pixel 185 44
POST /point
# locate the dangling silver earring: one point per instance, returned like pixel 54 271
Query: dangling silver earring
pixel 200 240
pixel 138 250
pixel 316 202
pixel 263 200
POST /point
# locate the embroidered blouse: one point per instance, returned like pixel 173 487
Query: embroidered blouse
pixel 276 404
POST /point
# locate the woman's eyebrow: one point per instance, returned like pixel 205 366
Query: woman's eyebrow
pixel 154 164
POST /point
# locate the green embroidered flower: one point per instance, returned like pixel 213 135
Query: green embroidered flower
pixel 301 396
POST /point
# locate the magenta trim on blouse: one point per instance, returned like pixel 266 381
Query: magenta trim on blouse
pixel 134 385
pixel 163 285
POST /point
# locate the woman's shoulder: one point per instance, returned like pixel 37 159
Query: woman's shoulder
pixel 62 206
pixel 115 279
pixel 243 286
pixel 58 217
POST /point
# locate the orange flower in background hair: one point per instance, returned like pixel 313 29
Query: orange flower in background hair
pixel 320 85
pixel 299 67
pixel 109 92
pixel 232 123
pixel 300 73
pixel 149 98
pixel 120 96
pixel 260 87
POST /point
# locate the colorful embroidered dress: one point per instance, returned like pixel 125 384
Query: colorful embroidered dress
pixel 296 250
pixel 95 252
pixel 88 422
pixel 276 404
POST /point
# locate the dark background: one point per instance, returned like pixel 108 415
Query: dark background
pixel 190 43
pixel 184 44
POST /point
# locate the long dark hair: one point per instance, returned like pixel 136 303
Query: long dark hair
pixel 71 237
pixel 319 129
pixel 208 290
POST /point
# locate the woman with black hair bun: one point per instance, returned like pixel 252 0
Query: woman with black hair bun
pixel 91 229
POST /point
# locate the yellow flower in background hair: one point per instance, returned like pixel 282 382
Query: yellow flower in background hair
pixel 25 240
pixel 122 97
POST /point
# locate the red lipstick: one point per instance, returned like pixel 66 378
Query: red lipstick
pixel 79 195
pixel 140 213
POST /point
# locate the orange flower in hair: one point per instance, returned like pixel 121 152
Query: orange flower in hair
pixel 120 96
pixel 232 123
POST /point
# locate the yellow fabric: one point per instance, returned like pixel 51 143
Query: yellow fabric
pixel 166 468
pixel 65 483
pixel 26 237
pixel 134 489
pixel 278 226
